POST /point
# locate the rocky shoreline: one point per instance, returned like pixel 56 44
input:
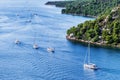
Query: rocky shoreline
pixel 73 39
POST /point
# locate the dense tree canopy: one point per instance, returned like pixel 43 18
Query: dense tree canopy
pixel 105 29
pixel 89 7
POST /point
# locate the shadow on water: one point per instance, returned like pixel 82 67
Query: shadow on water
pixel 108 70
pixel 96 46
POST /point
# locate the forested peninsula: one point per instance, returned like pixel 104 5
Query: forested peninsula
pixel 104 31
pixel 90 8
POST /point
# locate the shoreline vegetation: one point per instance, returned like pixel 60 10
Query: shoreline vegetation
pixel 59 3
pixel 92 8
pixel 92 43
pixel 104 31
pixel 87 8
pixel 63 4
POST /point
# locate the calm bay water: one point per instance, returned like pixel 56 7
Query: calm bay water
pixel 48 28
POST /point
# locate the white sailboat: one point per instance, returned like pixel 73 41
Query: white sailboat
pixel 17 41
pixel 87 62
pixel 50 49
pixel 35 46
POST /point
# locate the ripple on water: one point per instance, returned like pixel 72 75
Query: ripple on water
pixel 22 62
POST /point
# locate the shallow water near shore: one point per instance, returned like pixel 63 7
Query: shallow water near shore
pixel 48 29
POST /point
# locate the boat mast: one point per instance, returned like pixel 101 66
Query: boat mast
pixel 86 56
pixel 88 52
pixel 35 37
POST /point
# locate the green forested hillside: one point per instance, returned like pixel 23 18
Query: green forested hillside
pixel 104 30
pixel 59 3
pixel 89 7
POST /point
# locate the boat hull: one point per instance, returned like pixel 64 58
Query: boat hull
pixel 17 42
pixel 90 66
pixel 35 46
pixel 50 49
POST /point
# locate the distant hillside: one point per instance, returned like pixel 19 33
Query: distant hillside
pixel 90 8
pixel 63 3
pixel 59 3
pixel 105 30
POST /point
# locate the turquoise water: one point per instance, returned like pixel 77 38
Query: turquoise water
pixel 22 62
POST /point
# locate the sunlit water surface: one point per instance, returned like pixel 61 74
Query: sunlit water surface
pixel 48 29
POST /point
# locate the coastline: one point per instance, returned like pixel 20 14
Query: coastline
pixel 93 43
pixel 89 16
pixel 60 4
pixel 80 40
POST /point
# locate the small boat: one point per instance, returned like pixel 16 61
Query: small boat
pixel 88 64
pixel 17 15
pixel 17 41
pixel 28 21
pixel 35 46
pixel 49 49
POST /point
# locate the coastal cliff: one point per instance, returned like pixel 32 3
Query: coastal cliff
pixel 104 31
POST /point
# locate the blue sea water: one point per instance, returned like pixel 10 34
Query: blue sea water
pixel 48 28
